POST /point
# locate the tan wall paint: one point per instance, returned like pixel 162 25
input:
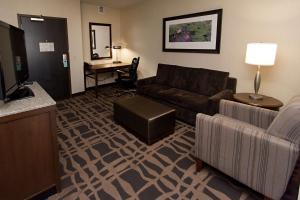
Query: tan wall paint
pixel 243 22
pixel 89 13
pixel 69 9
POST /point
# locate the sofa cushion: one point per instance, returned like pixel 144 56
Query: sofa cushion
pixel 152 89
pixel 163 74
pixel 202 81
pixel 185 99
pixel 207 82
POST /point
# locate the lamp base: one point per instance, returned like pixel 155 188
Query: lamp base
pixel 255 96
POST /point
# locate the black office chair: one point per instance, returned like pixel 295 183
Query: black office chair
pixel 128 78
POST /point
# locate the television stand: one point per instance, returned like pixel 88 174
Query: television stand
pixel 21 93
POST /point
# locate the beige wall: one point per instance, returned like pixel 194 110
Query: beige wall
pixel 69 9
pixel 89 13
pixel 243 22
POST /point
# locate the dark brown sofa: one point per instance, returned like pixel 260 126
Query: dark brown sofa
pixel 188 90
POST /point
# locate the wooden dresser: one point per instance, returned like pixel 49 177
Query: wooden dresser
pixel 28 146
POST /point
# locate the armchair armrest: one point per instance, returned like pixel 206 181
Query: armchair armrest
pixel 247 153
pixel 257 116
pixel 214 101
pixel 121 71
pixel 146 81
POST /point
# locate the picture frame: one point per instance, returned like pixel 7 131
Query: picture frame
pixel 193 33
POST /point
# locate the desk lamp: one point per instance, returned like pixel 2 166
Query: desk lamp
pixel 117 48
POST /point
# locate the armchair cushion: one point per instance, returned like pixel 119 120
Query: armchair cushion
pixel 246 153
pixel 254 115
pixel 295 99
pixel 287 124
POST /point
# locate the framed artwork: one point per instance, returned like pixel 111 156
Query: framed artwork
pixel 194 33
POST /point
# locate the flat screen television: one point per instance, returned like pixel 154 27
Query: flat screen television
pixel 13 61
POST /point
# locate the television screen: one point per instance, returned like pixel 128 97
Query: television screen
pixel 19 51
pixel 8 75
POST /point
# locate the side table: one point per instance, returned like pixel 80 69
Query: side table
pixel 267 102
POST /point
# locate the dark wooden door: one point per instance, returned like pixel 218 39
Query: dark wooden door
pixel 45 63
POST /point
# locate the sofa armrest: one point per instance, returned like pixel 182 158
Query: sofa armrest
pixel 146 81
pixel 247 153
pixel 214 101
pixel 257 116
pixel 231 84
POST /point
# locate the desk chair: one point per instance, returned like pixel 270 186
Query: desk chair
pixel 127 78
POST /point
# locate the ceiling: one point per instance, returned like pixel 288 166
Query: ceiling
pixel 113 3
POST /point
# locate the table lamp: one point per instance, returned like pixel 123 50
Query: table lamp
pixel 260 54
pixel 117 48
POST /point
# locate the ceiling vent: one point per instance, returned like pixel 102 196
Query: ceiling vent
pixel 101 10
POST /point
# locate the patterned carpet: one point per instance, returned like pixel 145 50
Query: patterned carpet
pixel 101 160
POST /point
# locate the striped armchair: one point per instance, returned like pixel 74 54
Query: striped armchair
pixel 255 146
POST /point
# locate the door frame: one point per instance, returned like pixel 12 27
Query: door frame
pixel 19 16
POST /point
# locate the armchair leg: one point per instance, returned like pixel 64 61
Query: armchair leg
pixel 199 165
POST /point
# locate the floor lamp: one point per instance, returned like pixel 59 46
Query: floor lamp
pixel 261 55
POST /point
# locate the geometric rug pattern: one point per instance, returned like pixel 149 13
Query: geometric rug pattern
pixel 101 160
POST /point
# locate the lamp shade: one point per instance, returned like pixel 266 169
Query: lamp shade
pixel 262 54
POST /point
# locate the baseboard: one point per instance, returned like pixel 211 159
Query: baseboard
pixel 45 194
pixel 78 94
pixel 102 85
pixel 92 88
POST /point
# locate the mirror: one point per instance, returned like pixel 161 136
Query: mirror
pixel 100 41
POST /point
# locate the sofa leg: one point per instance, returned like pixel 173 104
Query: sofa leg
pixel 199 165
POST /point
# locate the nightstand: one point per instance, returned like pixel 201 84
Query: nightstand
pixel 266 102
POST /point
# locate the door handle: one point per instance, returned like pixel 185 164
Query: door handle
pixel 65 60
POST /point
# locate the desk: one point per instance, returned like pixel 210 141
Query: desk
pixel 102 68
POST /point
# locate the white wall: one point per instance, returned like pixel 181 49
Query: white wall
pixel 69 9
pixel 89 13
pixel 243 22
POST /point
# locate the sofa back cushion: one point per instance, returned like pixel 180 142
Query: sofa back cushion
pixel 202 81
pixel 287 123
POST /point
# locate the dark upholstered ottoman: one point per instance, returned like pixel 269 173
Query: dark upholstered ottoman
pixel 147 119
